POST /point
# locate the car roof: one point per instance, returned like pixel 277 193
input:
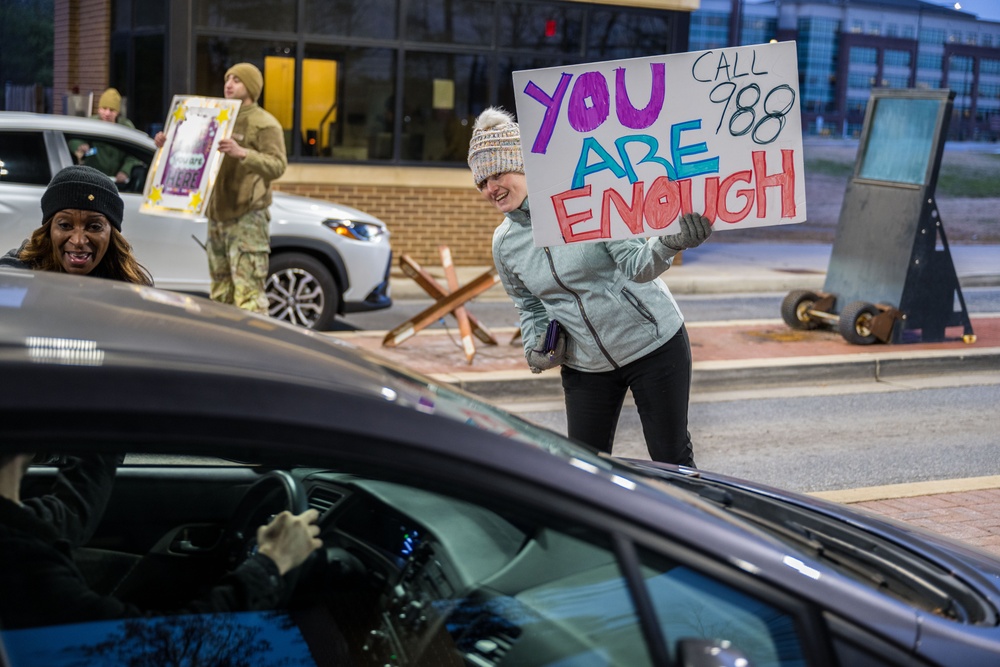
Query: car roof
pixel 59 328
pixel 24 120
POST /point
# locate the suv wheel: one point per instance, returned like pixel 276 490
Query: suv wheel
pixel 300 290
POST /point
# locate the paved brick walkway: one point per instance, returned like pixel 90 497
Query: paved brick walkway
pixel 972 517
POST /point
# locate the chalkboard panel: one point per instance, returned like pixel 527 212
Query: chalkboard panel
pixel 900 140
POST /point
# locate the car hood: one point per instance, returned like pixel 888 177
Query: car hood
pixel 782 507
pixel 286 205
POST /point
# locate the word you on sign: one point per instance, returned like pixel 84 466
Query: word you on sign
pixel 622 148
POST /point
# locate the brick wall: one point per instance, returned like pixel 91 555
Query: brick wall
pixel 420 218
pixel 82 54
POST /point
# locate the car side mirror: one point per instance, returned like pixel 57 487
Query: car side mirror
pixel 697 652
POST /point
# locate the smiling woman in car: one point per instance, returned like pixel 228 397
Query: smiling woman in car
pixel 81 231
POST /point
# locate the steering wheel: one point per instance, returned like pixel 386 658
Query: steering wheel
pixel 270 495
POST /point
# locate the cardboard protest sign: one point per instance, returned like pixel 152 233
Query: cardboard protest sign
pixel 621 149
pixel 183 173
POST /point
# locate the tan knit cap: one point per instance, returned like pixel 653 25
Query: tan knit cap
pixel 250 76
pixel 495 147
pixel 110 99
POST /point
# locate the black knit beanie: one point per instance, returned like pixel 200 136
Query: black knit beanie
pixel 85 188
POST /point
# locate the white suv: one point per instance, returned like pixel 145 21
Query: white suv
pixel 325 258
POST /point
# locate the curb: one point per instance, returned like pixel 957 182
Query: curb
pixel 712 376
pixel 909 490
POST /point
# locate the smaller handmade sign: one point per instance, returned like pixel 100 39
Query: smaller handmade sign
pixel 183 173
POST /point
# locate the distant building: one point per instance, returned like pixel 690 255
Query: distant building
pixel 848 47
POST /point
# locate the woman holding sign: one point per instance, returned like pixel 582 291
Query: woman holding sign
pixel 618 325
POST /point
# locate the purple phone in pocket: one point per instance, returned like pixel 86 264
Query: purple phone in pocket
pixel 552 336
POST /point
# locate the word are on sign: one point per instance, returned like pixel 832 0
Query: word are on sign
pixel 621 149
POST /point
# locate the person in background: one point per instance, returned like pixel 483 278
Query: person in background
pixel 80 231
pixel 620 327
pixel 42 584
pixel 238 234
pixel 101 155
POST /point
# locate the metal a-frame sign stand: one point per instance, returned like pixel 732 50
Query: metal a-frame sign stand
pixel 891 278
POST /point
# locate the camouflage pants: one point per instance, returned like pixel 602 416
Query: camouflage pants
pixel 238 260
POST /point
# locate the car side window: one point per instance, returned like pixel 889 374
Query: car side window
pixel 563 598
pixel 699 614
pixel 112 157
pixel 465 585
pixel 23 159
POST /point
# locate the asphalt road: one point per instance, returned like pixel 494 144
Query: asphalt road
pixel 819 439
pixel 837 437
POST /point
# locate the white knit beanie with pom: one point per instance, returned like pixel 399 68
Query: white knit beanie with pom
pixel 495 147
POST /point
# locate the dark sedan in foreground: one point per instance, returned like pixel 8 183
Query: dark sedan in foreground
pixel 453 533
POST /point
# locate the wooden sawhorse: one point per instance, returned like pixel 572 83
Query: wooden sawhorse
pixel 451 300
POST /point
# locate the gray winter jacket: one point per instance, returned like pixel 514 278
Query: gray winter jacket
pixel 607 295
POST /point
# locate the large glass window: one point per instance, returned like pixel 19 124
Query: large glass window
pixel 349 116
pixel 451 21
pixel 929 61
pixel 895 58
pixel 709 30
pixel 387 80
pixel 818 55
pixel 442 94
pixel 139 14
pixel 352 18
pixel 757 30
pixel 540 27
pixel 148 51
pixel 217 54
pixel 246 14
pixel 613 34
pixel 863 55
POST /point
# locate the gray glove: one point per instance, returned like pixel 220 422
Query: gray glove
pixel 695 230
pixel 542 360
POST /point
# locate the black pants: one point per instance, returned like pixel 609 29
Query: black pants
pixel 661 386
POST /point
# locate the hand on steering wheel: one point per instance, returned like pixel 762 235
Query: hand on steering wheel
pixel 289 539
pixel 273 493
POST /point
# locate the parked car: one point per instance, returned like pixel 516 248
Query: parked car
pixel 326 259
pixel 454 533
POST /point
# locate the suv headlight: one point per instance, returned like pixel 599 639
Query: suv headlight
pixel 359 231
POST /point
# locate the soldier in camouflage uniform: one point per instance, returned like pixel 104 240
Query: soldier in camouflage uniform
pixel 238 216
pixel 238 253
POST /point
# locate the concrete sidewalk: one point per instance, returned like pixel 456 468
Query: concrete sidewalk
pixel 724 268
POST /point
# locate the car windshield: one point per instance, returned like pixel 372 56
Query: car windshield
pixel 468 409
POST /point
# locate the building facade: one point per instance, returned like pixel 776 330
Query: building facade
pixel 377 97
pixel 847 48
